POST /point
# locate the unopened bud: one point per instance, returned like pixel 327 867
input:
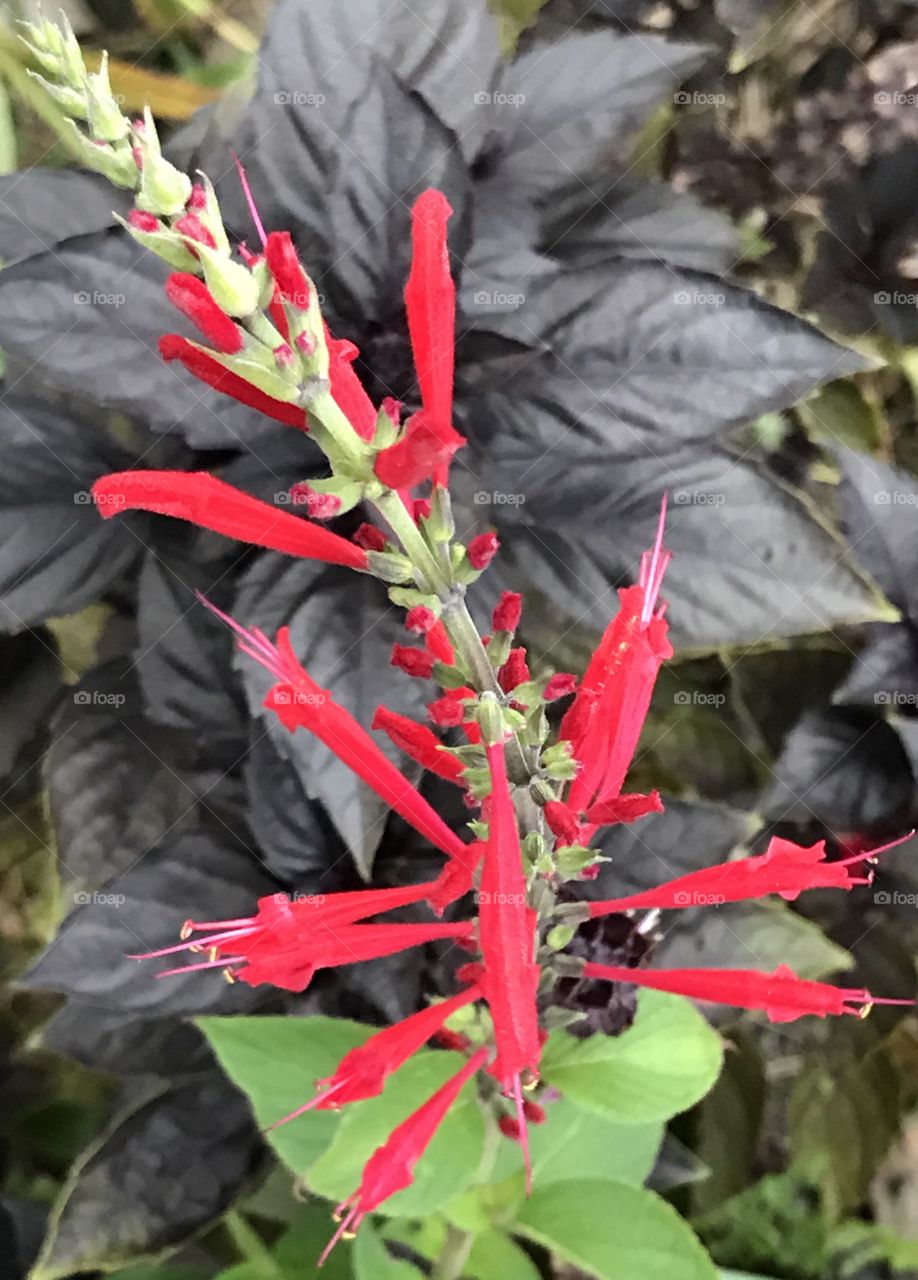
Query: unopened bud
pixel 106 121
pixel 560 937
pixel 232 284
pixel 574 858
pixel 490 718
pixel 163 188
pixel 390 566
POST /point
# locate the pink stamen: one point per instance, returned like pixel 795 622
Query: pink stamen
pixel 523 1130
pixel 867 855
pixel 653 567
pixel 206 964
pixel 250 199
pixel 351 1219
pixel 213 941
pixel 252 642
pixel 307 1106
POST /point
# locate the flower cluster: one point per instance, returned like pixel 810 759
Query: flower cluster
pixel 539 787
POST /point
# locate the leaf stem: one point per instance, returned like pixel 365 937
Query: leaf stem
pixel 454 1255
pixel 251 1247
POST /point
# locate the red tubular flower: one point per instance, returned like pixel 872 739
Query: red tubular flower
pixel 300 702
pixel 482 550
pixel 456 878
pixel 430 302
pixel 604 721
pixel 284 265
pixel 625 808
pixel 417 741
pixel 782 995
pixel 507 936
pixel 514 672
pixel 414 662
pixel 784 868
pixel 270 951
pixel 423 450
pixel 561 685
pixel 391 1167
pixel 204 500
pixel 206 369
pixel 507 612
pixel 363 1072
pixel 438 644
pixel 195 300
pixel 347 390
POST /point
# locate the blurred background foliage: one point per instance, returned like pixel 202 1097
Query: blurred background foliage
pixel 802 1164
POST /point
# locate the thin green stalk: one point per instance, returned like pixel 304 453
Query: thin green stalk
pixel 251 1247
pixel 454 1255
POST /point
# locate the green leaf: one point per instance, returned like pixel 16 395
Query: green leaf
pixel 8 148
pixel 573 1139
pixel 513 18
pixel 495 1254
pixel 614 1232
pixel 661 1066
pixel 373 1261
pixel 740 1275
pixel 166 1271
pixel 446 1168
pixel 275 1061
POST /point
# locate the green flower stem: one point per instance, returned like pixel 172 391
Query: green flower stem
pixel 454 1255
pixel 430 575
pixel 251 1247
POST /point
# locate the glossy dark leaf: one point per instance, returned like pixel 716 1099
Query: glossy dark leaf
pixel 885 673
pixel 194 874
pixel 362 140
pixel 39 208
pixel 297 839
pixel 165 1171
pixel 118 782
pixel 598 219
pixel 845 768
pixel 749 559
pixel 108 1041
pixel 184 653
pixel 57 553
pixel 878 505
pixel 95 309
pixel 634 354
pixel 577 95
pixel 342 628
pixel 30 684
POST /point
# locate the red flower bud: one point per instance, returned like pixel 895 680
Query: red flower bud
pixel 193 298
pixel 448 711
pixel 482 550
pixel 506 615
pixel 561 685
pixel 414 662
pixel 419 620
pixel 321 506
pixel 142 221
pixel 562 822
pixel 191 227
pixel 514 671
pixel 198 198
pixel 509 1127
pixel 447 1039
pixel 370 538
pixel 284 266
pixel 533 1112
pixel 438 644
